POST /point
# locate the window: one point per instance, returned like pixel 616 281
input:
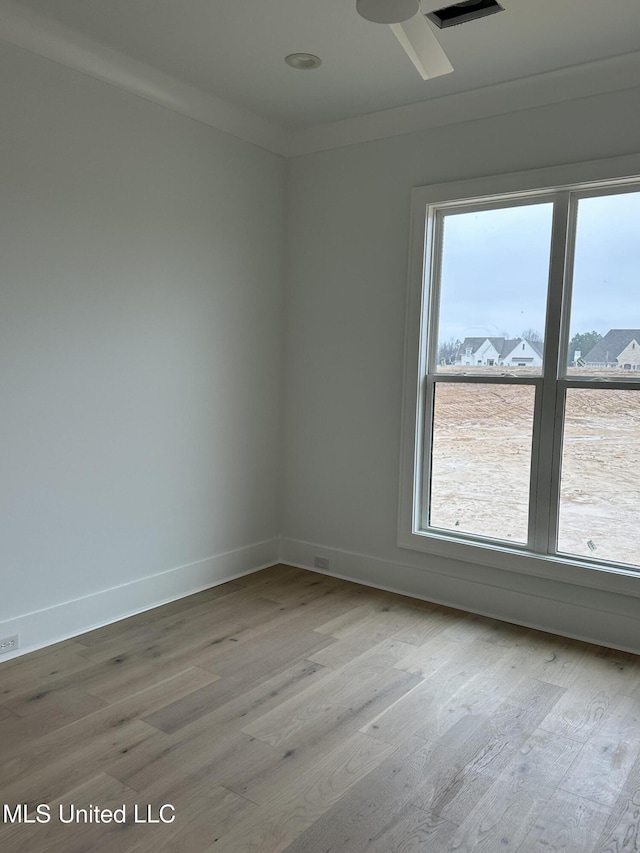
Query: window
pixel 535 452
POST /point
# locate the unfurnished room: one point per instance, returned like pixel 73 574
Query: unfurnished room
pixel 320 426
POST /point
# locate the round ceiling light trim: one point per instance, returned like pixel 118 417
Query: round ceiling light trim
pixel 387 11
pixel 303 61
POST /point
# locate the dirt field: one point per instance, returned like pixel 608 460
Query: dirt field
pixel 481 467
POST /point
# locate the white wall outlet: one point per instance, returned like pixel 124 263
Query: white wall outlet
pixel 321 563
pixel 9 644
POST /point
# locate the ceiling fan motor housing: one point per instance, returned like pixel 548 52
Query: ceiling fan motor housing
pixel 387 11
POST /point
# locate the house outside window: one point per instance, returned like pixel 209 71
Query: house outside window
pixel 556 439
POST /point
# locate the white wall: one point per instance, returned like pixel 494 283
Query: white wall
pixel 141 309
pixel 347 268
pixel 140 351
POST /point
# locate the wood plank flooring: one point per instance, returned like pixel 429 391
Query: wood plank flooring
pixel 292 711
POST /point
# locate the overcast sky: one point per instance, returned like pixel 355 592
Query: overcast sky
pixel 495 266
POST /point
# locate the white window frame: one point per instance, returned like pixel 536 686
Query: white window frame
pixel 563 180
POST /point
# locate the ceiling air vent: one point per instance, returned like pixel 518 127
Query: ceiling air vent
pixel 460 13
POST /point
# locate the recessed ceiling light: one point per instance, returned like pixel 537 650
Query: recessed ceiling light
pixel 302 61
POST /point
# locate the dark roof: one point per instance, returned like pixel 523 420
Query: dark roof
pixel 537 346
pixel 508 345
pixel 610 347
pixel 512 343
pixel 476 343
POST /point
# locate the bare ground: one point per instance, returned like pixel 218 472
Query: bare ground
pixel 482 452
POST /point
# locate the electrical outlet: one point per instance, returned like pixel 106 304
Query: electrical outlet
pixel 321 563
pixel 9 644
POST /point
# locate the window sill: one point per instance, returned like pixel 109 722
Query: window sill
pixel 614 579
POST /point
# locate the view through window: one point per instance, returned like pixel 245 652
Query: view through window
pixel 532 413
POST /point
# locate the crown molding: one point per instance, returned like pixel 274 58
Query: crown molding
pixel 33 32
pixel 26 29
pixel 553 87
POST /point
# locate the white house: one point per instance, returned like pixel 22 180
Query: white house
pixel 522 353
pixel 618 348
pixel 514 352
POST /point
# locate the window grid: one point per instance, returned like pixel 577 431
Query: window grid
pixel 550 388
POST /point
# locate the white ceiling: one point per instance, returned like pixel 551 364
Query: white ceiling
pixel 221 62
pixel 234 49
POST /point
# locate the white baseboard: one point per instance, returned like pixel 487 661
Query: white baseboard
pixel 63 621
pixel 559 608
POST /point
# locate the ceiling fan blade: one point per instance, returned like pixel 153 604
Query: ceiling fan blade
pixel 422 47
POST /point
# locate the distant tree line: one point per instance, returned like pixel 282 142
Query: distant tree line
pixel 583 342
pixel 447 351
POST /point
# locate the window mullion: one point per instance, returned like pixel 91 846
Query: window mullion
pixel 424 485
pixel 548 417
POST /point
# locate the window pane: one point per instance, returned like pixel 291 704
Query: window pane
pixel 600 487
pixel 605 311
pixel 493 290
pixel 481 459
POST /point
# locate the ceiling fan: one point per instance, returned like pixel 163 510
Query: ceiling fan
pixel 407 20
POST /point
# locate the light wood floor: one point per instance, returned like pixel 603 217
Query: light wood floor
pixel 292 711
